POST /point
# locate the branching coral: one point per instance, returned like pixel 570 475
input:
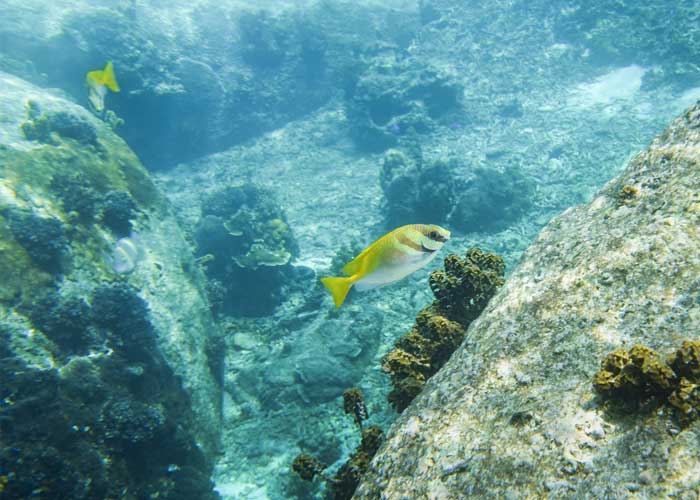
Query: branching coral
pixel 461 292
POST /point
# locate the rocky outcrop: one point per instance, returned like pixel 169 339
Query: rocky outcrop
pixel 106 366
pixel 513 414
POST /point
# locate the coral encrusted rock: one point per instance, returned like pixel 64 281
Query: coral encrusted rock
pixel 105 382
pixel 513 413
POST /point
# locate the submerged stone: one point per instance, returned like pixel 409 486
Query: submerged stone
pixel 600 277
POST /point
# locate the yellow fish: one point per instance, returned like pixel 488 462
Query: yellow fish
pixel 392 257
pixel 98 81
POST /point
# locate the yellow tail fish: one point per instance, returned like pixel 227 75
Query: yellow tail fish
pixel 98 81
pixel 392 257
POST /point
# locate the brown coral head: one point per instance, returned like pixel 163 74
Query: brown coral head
pixel 354 404
pixel 307 466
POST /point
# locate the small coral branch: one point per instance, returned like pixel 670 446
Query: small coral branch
pixel 344 483
pixel 354 404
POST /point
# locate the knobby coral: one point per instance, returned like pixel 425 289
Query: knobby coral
pixel 640 377
pixel 461 291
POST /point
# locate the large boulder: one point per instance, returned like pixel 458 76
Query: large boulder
pixel 513 414
pixel 107 379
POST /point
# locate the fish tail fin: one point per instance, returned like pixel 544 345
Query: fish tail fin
pixel 339 288
pixel 109 79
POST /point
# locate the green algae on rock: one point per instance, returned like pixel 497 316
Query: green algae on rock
pixel 599 277
pixel 105 358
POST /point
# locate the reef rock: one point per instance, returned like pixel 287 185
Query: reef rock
pixel 513 414
pixel 106 382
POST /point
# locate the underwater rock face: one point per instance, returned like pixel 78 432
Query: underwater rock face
pixel 105 386
pixel 513 413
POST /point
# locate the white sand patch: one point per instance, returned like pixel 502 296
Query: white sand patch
pixel 622 84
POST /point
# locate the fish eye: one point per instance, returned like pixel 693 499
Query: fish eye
pixel 433 235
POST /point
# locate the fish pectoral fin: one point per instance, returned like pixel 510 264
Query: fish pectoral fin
pixel 339 288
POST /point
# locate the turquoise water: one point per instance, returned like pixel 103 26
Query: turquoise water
pixel 163 330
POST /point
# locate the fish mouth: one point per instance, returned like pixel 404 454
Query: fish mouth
pixel 426 249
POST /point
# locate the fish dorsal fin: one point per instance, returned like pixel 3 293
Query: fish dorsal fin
pixel 356 265
pixel 353 267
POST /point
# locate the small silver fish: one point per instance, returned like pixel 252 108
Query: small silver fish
pixel 126 255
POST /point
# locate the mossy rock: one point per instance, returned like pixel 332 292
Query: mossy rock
pixel 75 335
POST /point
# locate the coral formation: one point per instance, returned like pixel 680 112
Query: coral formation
pixel 76 195
pixel 491 199
pixel 280 66
pixel 118 308
pixel 414 189
pixel 639 377
pixel 43 238
pixel 307 466
pixel 354 404
pixel 348 477
pixel 64 319
pixel 118 208
pixel 251 246
pixel 626 194
pixel 393 96
pixel 92 410
pixel 41 126
pixel 418 189
pixel 461 292
pixel 78 351
pixel 263 39
pixel 465 286
pixel 343 484
pixel 614 31
pixel 128 423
